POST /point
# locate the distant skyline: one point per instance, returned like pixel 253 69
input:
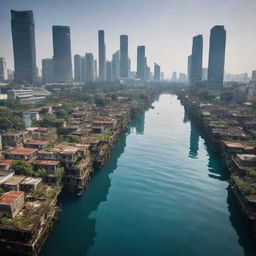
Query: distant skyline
pixel 165 27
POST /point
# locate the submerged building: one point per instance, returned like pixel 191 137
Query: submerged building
pixel 24 50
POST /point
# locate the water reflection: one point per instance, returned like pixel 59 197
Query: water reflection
pixel 138 124
pixel 194 141
pixel 75 216
pixel 238 221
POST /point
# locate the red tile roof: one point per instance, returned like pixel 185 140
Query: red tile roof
pixel 46 162
pixel 22 151
pixel 10 197
pixel 37 142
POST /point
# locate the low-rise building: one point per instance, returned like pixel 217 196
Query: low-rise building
pixel 12 202
pixel 49 165
pixel 13 183
pixel 39 144
pixel 21 153
pixel 30 183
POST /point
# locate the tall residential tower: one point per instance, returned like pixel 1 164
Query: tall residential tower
pixel 62 53
pixel 217 56
pixel 196 60
pixel 102 56
pixel 124 62
pixel 24 50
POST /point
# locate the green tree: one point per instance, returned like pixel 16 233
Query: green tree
pixel 41 173
pixel 49 120
pixel 22 167
pixel 62 113
pixel 74 139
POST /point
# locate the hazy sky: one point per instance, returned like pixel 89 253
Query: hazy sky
pixel 166 27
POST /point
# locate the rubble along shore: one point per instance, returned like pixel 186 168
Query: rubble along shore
pixel 98 129
pixel 230 132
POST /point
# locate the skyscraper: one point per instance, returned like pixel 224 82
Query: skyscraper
pixel 157 72
pixel 124 56
pixel 216 60
pixel 78 68
pixel 89 67
pixel 196 60
pixel 189 66
pixel 3 70
pixel 115 66
pixel 108 71
pixel 62 53
pixel 102 56
pixel 95 68
pixel 83 69
pixel 47 70
pixel 254 75
pixel 24 50
pixel 141 63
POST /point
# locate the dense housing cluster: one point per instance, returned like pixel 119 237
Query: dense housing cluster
pixel 230 130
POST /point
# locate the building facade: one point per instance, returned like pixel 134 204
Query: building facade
pixel 157 72
pixel 24 50
pixel 3 70
pixel 216 60
pixel 102 55
pixel 62 54
pixel 47 70
pixel 115 63
pixel 108 71
pixel 141 63
pixel 77 68
pixel 89 74
pixel 196 60
pixel 124 63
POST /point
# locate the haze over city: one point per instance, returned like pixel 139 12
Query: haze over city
pixel 165 27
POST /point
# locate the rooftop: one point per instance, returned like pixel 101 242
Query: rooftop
pixel 46 162
pixel 37 142
pixel 246 157
pixel 22 151
pixel 10 197
pixel 14 180
pixel 31 180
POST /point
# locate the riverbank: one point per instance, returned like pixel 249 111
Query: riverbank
pixel 82 146
pixel 230 131
pixel 161 183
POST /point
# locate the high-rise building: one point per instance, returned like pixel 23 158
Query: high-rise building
pixel 62 53
pixel 24 50
pixel 95 68
pixel 189 67
pixel 204 73
pixel 3 70
pixel 196 60
pixel 216 60
pixel 115 66
pixel 141 62
pixel 174 77
pixel 102 56
pixel 10 75
pixel 47 70
pixel 89 67
pixel 148 73
pixel 83 69
pixel 254 75
pixel 108 71
pixel 124 62
pixel 157 72
pixel 78 68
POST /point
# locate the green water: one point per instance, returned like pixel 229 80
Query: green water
pixel 162 192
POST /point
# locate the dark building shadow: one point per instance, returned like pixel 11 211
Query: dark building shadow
pixel 138 123
pixel 238 221
pixel 74 233
pixel 186 118
pixel 194 141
